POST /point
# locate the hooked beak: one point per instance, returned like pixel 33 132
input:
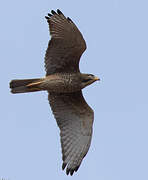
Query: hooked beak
pixel 96 78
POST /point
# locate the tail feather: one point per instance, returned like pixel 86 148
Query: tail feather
pixel 25 85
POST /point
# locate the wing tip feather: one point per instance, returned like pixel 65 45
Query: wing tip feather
pixel 63 166
pixel 59 12
pixel 54 13
pixel 69 19
pixel 70 170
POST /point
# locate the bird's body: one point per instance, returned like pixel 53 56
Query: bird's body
pixel 58 83
pixel 64 83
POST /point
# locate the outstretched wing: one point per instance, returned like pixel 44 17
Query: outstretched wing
pixel 75 119
pixel 66 45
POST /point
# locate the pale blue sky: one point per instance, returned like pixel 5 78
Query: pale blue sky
pixel 116 32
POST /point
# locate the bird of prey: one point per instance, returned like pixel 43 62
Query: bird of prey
pixel 64 83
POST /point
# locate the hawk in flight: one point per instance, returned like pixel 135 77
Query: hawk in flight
pixel 64 83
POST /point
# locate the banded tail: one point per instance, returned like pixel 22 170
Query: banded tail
pixel 25 85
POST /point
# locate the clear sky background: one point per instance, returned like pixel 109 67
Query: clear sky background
pixel 116 32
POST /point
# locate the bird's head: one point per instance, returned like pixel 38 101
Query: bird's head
pixel 87 79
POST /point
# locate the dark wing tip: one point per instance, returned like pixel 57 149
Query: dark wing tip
pixel 59 12
pixel 67 171
pixel 49 14
pixel 71 171
pixel 77 168
pixel 47 17
pixel 63 157
pixel 53 12
pixel 11 84
pixel 69 19
pixel 63 166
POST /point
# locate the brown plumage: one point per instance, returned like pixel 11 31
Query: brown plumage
pixel 64 84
